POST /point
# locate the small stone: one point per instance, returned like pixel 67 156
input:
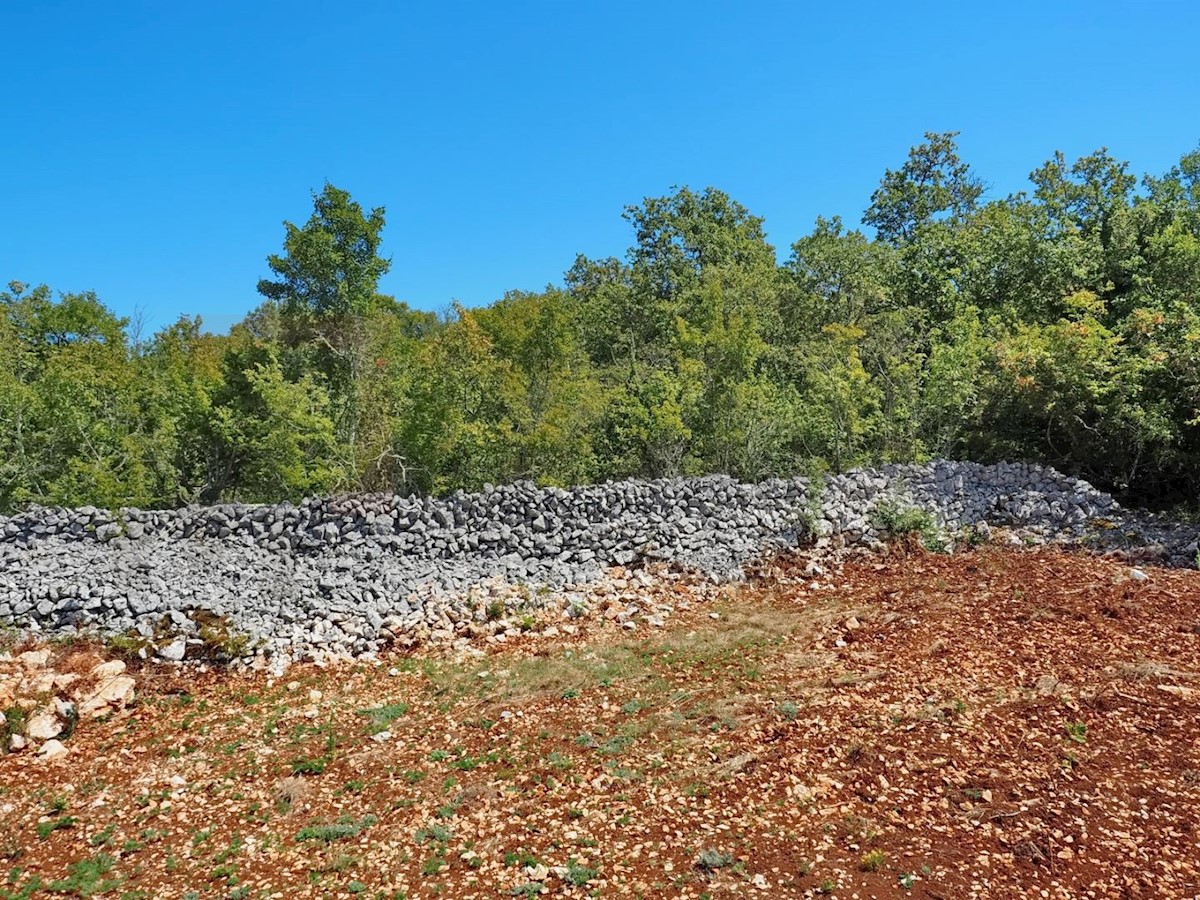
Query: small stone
pixel 34 659
pixel 174 651
pixel 1138 575
pixel 381 737
pixel 43 725
pixel 109 669
pixel 17 742
pixel 115 693
pixel 52 750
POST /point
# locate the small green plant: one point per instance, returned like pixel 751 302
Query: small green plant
pixel 789 710
pixel 47 828
pixel 88 877
pixel 898 521
pixel 578 874
pixel 304 765
pixel 435 832
pixel 344 828
pixel 1077 732
pixel 383 716
pixel 827 886
pixel 219 640
pixel 873 860
pixel 433 864
pixel 711 859
pixel 14 723
pixel 907 880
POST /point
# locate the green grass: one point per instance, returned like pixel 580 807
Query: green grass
pixel 47 828
pixel 88 877
pixel 341 830
pixel 382 716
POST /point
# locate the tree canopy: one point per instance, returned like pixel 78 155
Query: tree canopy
pixel 1060 324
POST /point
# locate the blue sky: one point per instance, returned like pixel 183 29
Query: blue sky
pixel 151 150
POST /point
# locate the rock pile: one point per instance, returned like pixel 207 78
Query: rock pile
pixel 43 701
pixel 343 575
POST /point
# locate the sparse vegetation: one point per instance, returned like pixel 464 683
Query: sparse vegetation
pixel 497 785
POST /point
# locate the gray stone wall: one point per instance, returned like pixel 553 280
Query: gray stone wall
pixel 343 574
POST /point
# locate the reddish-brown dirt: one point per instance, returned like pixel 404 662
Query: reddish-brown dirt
pixel 999 723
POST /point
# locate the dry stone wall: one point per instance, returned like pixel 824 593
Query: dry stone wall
pixel 343 575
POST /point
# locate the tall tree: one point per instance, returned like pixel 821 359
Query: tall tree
pixel 326 285
pixel 934 184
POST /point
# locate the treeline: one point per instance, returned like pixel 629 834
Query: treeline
pixel 1061 324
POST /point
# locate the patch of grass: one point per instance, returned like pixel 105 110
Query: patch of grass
pixel 14 723
pixel 578 874
pixel 1077 732
pixel 103 838
pixel 219 640
pixel 88 877
pixel 433 864
pixel 344 828
pixel 434 832
pixel 47 828
pixel 711 859
pixel 873 860
pixel 899 521
pixel 383 716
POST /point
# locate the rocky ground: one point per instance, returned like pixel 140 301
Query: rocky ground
pixel 1000 722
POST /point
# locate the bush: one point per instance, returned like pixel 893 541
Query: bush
pixel 898 521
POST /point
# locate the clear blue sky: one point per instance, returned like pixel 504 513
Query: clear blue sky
pixel 152 149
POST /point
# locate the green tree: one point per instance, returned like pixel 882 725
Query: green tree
pixel 326 285
pixel 933 185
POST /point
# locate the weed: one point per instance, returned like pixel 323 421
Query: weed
pixel 383 716
pixel 789 710
pixel 14 723
pixel 899 521
pixel 873 860
pixel 434 832
pixel 713 859
pixel 88 877
pixel 47 828
pixel 578 874
pixel 1077 732
pixel 433 864
pixel 220 641
pixel 907 880
pixel 344 828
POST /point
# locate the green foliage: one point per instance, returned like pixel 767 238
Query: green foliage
pixel 712 859
pixel 1058 325
pixel 895 520
pixel 88 877
pixel 344 828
